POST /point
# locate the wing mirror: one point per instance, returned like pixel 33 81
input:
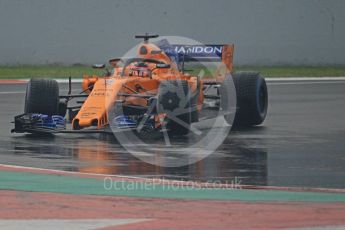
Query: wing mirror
pixel 98 66
pixel 162 66
pixel 102 66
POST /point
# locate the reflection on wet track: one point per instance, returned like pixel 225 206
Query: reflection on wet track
pixel 300 144
pixel 102 154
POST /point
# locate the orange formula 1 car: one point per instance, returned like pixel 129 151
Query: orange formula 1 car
pixel 149 91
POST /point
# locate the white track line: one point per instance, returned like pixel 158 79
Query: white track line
pixel 305 79
pixel 57 224
pixel 13 92
pixel 22 92
pixel 71 172
pixel 77 80
pixel 305 82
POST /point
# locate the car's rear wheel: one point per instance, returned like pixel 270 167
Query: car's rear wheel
pixel 252 99
pixel 174 101
pixel 42 96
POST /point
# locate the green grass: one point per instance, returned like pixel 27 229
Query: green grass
pixel 47 71
pixel 296 71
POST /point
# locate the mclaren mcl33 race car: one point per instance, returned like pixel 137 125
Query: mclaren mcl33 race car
pixel 146 92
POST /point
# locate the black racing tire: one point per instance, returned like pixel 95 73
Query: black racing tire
pixel 171 95
pixel 42 96
pixel 252 99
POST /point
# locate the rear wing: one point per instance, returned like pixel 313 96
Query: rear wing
pixel 203 53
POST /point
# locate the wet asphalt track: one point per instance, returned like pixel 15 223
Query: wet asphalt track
pixel 302 143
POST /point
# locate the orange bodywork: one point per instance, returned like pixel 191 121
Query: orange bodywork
pixel 106 91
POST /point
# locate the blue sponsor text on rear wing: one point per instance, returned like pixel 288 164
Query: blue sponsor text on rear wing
pixel 202 53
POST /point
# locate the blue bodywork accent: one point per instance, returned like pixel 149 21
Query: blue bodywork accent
pixel 124 122
pixel 46 121
pixel 38 123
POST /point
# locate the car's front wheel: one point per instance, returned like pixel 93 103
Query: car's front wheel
pixel 42 96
